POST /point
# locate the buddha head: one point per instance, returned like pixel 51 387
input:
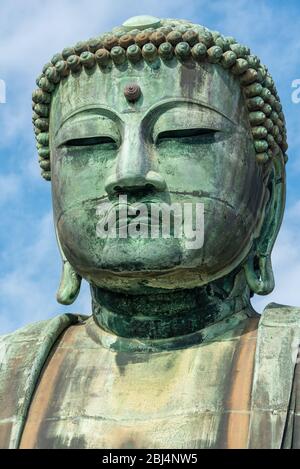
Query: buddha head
pixel 162 112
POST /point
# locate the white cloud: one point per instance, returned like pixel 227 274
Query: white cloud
pixel 38 31
pixel 27 289
pixel 9 187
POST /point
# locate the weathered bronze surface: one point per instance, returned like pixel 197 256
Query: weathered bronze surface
pixel 174 356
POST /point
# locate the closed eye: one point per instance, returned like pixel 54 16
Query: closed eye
pixel 83 142
pixel 185 133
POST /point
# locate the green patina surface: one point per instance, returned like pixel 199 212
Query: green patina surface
pixel 164 112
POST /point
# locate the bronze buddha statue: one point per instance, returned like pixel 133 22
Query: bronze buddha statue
pixel 158 112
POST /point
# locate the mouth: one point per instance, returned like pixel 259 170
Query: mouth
pixel 144 213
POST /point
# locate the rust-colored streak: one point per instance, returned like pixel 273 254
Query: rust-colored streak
pixel 9 397
pixel 45 390
pixel 240 395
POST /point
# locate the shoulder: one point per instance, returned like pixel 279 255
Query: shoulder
pixel 24 343
pixel 278 343
pixel 34 331
pixel 275 313
pixel 280 325
pixel 276 357
pixel 283 321
pixel 22 356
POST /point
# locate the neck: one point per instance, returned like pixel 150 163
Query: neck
pixel 170 314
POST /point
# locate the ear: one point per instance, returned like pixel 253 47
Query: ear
pixel 258 267
pixel 70 282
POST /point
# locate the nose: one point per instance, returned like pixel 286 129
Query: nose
pixel 132 182
pixel 134 168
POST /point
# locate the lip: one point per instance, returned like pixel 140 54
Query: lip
pixel 142 221
pixel 115 216
pixel 115 209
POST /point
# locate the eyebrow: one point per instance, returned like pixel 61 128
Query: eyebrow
pixel 173 102
pixel 90 110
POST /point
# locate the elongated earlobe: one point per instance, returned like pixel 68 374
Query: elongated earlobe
pixel 259 274
pixel 69 286
pixel 258 266
pixel 70 282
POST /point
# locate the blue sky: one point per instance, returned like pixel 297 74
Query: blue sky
pixel 30 33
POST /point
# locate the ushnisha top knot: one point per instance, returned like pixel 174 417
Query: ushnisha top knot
pixel 152 40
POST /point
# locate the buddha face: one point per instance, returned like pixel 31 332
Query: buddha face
pixel 185 140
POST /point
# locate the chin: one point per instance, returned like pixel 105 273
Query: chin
pixel 141 281
pixel 139 265
pixel 149 282
pixel 141 255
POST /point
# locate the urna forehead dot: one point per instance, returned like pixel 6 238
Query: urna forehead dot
pixel 132 92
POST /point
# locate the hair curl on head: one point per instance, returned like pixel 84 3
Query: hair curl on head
pixel 172 40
